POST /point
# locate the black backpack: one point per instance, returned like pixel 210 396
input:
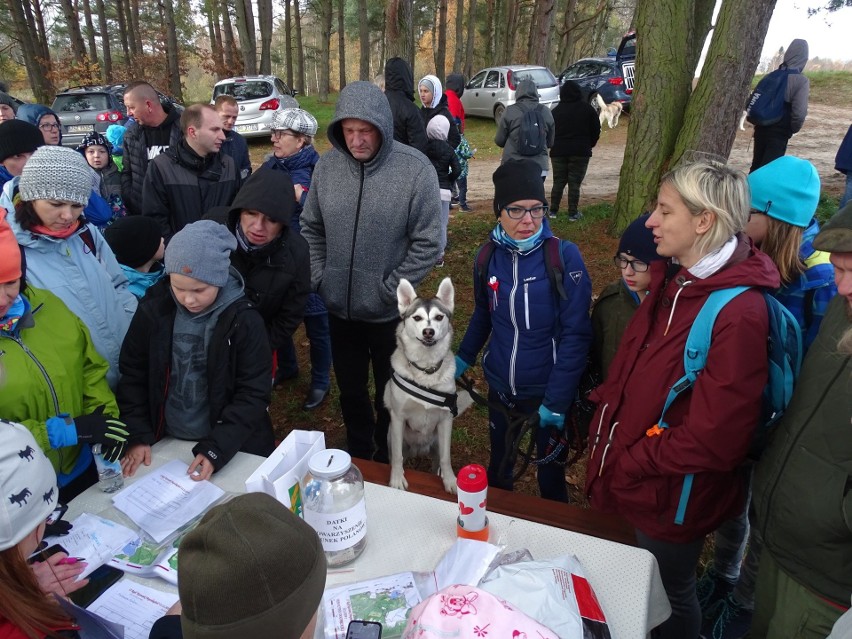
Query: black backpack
pixel 766 105
pixel 532 136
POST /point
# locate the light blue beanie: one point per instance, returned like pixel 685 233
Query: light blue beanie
pixel 786 189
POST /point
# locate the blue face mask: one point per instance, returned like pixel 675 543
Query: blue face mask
pixel 522 245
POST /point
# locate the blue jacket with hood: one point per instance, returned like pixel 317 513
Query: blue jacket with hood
pixel 537 343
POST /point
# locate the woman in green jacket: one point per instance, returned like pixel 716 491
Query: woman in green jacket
pixel 55 382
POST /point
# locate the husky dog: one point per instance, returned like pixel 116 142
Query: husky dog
pixel 609 113
pixel 421 394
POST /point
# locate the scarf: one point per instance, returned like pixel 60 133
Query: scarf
pixel 243 242
pixel 62 235
pixel 9 321
pixel 433 83
pixel 712 262
pixel 501 237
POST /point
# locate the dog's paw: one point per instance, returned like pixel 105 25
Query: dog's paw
pixel 450 485
pixel 397 479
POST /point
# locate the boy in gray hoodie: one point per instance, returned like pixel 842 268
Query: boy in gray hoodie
pixel 372 217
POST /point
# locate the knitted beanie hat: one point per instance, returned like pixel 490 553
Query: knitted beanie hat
pixel 296 119
pixel 134 239
pixel 94 139
pixel 786 189
pixel 56 173
pixel 10 252
pixel 202 251
pixel 439 128
pixel 6 99
pixel 17 136
pixel 251 568
pixel 836 234
pixel 28 491
pixel 517 180
pixel 638 241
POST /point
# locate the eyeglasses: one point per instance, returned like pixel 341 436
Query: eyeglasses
pixel 518 212
pixel 277 133
pixel 636 265
pixel 48 126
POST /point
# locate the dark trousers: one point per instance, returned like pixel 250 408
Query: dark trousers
pixel 462 186
pixel 568 171
pixel 551 477
pixel 769 144
pixel 316 329
pixel 677 563
pixel 355 348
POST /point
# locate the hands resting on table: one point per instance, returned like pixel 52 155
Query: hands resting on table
pixel 199 469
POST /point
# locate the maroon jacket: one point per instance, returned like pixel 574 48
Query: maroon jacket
pixel 711 426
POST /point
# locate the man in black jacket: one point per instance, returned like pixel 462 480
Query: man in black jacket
pixel 191 177
pixel 156 129
pixel 408 126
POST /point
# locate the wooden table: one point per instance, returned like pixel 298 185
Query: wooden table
pixel 529 507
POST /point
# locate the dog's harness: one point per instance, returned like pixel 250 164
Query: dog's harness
pixel 428 395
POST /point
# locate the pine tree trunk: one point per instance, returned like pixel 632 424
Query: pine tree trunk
pixel 36 17
pixel 78 47
pixel 341 42
pixel 441 53
pixel 399 31
pixel 364 41
pixel 264 17
pixel 122 29
pixel 136 32
pixel 172 50
pixel 710 122
pixel 541 28
pixel 325 11
pixel 245 28
pixel 458 52
pixel 471 35
pixel 106 70
pixel 41 85
pixel 300 50
pixel 288 44
pixel 90 31
pixel 229 47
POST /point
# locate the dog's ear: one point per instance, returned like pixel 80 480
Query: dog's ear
pixel 447 294
pixel 405 295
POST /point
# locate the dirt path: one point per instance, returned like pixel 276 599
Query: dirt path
pixel 817 142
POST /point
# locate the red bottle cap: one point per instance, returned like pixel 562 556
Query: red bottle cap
pixel 472 478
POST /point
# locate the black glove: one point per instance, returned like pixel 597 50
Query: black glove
pixel 114 452
pixel 57 528
pixel 97 428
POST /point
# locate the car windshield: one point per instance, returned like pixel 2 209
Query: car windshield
pixel 543 78
pixel 81 102
pixel 248 90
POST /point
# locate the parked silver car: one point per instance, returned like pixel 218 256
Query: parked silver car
pixel 259 97
pixel 491 90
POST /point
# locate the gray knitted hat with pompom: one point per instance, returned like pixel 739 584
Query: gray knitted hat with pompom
pixel 56 173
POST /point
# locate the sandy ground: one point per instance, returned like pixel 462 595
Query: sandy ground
pixel 817 142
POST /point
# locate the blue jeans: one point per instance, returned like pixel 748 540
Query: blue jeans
pixel 462 184
pixel 731 561
pixel 551 477
pixel 316 328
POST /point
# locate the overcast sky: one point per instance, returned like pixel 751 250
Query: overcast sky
pixel 828 34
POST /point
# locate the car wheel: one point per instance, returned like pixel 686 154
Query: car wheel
pixel 593 102
pixel 499 110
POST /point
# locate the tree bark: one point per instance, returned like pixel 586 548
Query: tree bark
pixel 364 40
pixel 441 52
pixel 78 47
pixel 540 29
pixel 245 27
pixel 288 44
pixel 458 51
pixel 136 32
pixel 264 17
pixel 172 49
pixel 566 36
pixel 341 42
pixel 41 40
pixel 121 15
pixel 471 36
pixel 300 50
pixel 325 10
pixel 229 48
pixel 711 114
pixel 41 85
pixel 106 70
pixel 90 31
pixel 399 31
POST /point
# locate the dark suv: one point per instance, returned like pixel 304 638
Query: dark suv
pixel 610 77
pixel 84 109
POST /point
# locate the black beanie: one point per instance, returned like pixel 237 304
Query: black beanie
pixel 638 241
pixel 17 136
pixel 134 239
pixel 517 180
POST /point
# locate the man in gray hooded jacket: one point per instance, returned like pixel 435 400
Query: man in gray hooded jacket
pixel 372 217
pixel 770 142
pixel 509 127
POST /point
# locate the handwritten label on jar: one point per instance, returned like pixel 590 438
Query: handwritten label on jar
pixel 341 530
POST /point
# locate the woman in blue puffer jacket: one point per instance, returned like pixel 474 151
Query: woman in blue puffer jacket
pixel 537 337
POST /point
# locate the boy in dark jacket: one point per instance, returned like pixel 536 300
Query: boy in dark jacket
pixel 577 131
pixel 408 126
pixel 98 153
pixel 446 163
pixel 195 362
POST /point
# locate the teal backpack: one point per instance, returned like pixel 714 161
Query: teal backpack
pixel 784 349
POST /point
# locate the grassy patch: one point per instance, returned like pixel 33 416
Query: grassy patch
pixel 827 207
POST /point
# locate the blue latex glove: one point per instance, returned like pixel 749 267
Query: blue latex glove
pixel 547 418
pixel 461 366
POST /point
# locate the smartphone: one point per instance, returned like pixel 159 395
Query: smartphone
pixel 99 581
pixel 42 555
pixel 57 513
pixel 364 630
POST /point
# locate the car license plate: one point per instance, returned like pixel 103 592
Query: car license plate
pixel 243 128
pixel 81 128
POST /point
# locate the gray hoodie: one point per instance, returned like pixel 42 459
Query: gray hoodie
pixel 798 86
pixel 370 224
pixel 508 129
